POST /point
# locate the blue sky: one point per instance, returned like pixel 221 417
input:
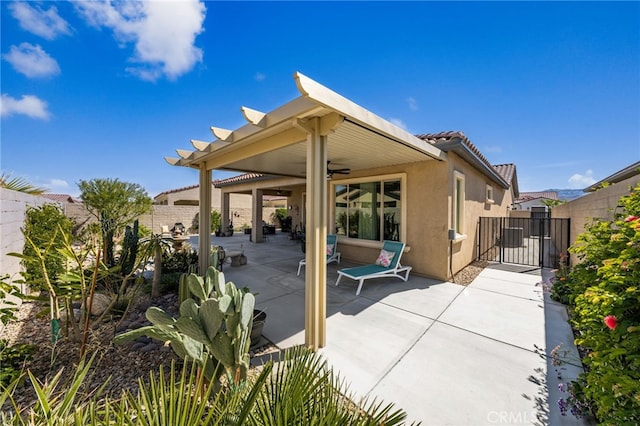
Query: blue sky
pixel 108 89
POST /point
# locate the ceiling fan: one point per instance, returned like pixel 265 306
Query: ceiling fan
pixel 331 172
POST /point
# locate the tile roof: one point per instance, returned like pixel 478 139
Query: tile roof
pixel 245 177
pixel 460 143
pixel 450 136
pixel 62 198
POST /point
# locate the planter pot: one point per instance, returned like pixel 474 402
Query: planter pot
pixel 247 231
pixel 259 318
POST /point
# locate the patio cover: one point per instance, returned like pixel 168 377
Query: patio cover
pixel 297 139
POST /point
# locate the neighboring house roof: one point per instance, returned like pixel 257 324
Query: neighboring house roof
pixel 528 196
pixel 618 176
pixel 172 191
pixel 245 177
pixel 458 142
pixel 62 198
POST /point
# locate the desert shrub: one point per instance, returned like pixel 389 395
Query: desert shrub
pixel 604 301
pixel 12 360
pixel 45 227
pixel 179 261
pixel 169 282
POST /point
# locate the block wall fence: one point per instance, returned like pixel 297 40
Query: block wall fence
pixel 13 207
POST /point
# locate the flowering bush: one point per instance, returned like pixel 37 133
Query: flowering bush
pixel 603 292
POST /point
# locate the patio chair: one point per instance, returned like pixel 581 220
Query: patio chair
pixel 387 265
pixel 333 255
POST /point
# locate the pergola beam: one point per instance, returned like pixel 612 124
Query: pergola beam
pixel 254 117
pixel 222 134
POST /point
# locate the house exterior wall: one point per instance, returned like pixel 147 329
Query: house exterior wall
pixel 526 205
pixel 476 206
pixel 190 196
pixel 429 192
pixel 599 204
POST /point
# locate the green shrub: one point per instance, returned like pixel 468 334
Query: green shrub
pixel 12 360
pixel 169 282
pixel 604 301
pixel 179 261
pixel 45 226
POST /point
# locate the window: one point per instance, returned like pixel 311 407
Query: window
pixel 489 198
pixel 458 203
pixel 369 209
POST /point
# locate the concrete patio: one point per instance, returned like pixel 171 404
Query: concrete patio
pixel 445 353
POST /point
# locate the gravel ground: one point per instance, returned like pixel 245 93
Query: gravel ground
pixel 468 274
pixel 123 365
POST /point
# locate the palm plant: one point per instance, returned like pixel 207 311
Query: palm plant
pixel 19 184
pixel 298 388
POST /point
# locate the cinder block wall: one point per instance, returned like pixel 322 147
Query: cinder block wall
pixel 599 204
pixel 169 215
pixel 13 206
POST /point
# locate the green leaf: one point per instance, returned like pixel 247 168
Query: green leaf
pixel 192 329
pixel 211 317
pixel 225 303
pixel 159 317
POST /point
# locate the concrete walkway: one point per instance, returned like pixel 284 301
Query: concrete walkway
pixel 444 353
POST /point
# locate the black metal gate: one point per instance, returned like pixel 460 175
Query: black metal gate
pixel 537 241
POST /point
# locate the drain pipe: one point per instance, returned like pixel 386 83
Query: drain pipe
pixel 452 236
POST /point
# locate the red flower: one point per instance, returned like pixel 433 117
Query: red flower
pixel 630 218
pixel 611 322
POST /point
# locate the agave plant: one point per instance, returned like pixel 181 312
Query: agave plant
pixel 298 388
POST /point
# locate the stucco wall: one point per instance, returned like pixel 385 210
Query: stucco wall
pixel 428 217
pixel 13 206
pixel 599 204
pixel 476 206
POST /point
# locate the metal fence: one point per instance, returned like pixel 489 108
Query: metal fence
pixel 536 241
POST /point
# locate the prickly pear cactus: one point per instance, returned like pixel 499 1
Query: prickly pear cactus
pixel 213 326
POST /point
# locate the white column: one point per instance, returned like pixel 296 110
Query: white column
pixel 316 237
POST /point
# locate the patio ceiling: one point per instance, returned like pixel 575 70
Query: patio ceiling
pixel 275 143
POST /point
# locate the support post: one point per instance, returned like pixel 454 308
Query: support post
pixel 224 213
pixel 204 222
pixel 257 234
pixel 316 237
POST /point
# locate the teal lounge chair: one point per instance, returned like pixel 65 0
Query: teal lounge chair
pixel 333 255
pixel 378 270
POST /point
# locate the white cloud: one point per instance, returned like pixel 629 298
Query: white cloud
pixel 492 148
pixel 579 181
pixel 56 185
pixel 163 32
pixel 259 77
pixel 398 123
pixel 413 104
pixel 29 105
pixel 44 23
pixel 31 61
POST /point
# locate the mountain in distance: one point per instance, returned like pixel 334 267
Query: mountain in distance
pixel 568 194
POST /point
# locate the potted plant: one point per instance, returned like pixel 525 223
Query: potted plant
pixel 259 318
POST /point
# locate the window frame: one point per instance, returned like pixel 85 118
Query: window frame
pixel 489 194
pixel 381 179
